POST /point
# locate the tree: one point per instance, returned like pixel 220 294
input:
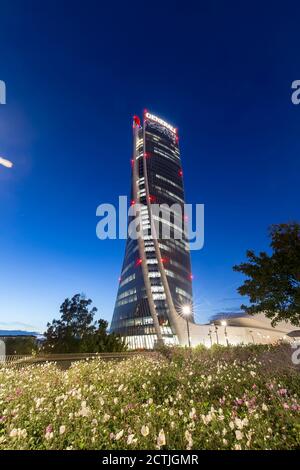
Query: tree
pixel 76 330
pixel 273 284
pixel 20 345
pixel 101 341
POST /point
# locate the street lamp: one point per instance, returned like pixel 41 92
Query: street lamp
pixel 251 333
pixel 224 323
pixel 209 334
pixel 216 331
pixel 186 310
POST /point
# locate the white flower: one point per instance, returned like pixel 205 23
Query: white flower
pixel 188 437
pixel 85 411
pixel 145 431
pixel 240 423
pixel 106 418
pixel 13 433
pixel 264 407
pixel 131 440
pixel 161 439
pixel 239 435
pixel 115 401
pixel 119 435
pixel 62 429
pixel 19 433
pixel 38 402
pixel 206 419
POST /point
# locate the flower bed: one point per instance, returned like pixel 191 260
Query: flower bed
pixel 224 399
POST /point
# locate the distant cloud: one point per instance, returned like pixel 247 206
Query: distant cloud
pixel 17 324
pixel 5 162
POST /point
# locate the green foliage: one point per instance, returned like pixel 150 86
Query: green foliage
pixel 273 281
pixel 20 345
pixel 77 332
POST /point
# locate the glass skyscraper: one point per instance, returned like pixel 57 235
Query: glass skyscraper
pixel 156 279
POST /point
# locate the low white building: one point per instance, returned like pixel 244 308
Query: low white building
pixel 242 329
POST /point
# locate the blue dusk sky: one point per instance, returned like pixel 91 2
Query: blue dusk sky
pixel 75 74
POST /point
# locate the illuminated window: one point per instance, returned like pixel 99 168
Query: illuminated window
pixel 127 279
pixel 127 293
pixel 183 293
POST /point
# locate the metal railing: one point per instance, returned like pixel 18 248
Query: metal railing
pixel 66 360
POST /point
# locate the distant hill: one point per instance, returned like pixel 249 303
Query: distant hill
pixel 18 333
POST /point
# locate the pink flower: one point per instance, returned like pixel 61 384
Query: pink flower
pixel 49 429
pixel 239 401
pixel 282 392
pixel 286 406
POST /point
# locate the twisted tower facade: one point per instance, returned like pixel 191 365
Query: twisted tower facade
pixel 156 279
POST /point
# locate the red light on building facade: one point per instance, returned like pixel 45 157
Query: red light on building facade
pixel 152 198
pixel 180 172
pixel 136 121
pixel 138 262
pixel 132 202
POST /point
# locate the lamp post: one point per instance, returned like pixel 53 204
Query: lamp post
pixel 224 323
pixel 186 310
pixel 251 333
pixel 209 334
pixel 216 331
